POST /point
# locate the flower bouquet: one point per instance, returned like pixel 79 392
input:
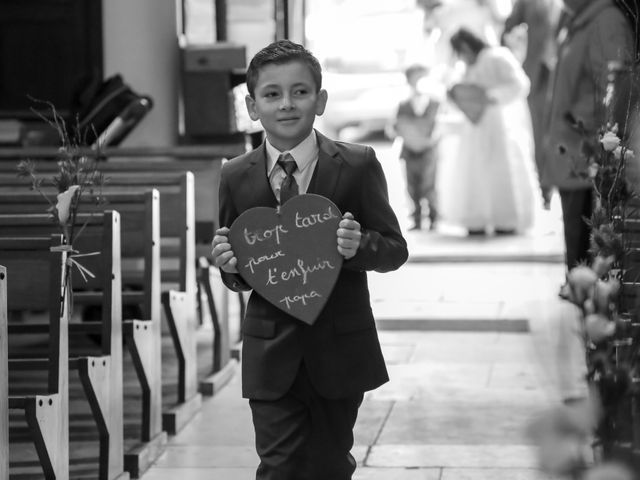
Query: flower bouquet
pixel 77 177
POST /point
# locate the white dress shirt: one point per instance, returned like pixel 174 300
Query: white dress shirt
pixel 305 155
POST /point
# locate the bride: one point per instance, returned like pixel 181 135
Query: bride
pixel 492 181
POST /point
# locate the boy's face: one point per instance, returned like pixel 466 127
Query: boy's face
pixel 286 103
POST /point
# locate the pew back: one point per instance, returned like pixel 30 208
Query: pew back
pixel 36 272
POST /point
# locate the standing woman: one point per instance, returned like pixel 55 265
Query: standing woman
pixel 493 183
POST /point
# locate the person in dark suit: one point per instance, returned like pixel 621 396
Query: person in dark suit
pixel 594 34
pixel 304 382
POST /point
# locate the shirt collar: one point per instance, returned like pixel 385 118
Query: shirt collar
pixel 304 153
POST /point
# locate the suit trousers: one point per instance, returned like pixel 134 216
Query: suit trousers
pixel 421 170
pixel 304 436
pixel 577 206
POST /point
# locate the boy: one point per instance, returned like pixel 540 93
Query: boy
pixel 305 383
pixel 415 124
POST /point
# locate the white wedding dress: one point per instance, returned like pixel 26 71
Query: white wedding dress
pixel 490 181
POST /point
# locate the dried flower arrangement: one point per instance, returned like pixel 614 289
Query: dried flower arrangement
pixel 77 179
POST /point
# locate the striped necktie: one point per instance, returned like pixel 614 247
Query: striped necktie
pixel 289 186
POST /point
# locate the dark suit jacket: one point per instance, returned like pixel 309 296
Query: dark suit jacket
pixel 340 350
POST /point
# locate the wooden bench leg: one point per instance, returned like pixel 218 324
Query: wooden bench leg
pixel 142 338
pixel 48 420
pixel 224 367
pixel 181 317
pixel 143 343
pixel 219 316
pixel 105 400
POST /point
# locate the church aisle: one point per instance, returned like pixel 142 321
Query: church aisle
pixel 456 408
pixel 458 402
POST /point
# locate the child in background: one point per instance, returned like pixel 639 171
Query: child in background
pixel 415 124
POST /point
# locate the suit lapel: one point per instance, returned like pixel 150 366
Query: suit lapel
pixel 325 178
pixel 256 179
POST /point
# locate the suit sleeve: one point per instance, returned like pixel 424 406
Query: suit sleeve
pixel 610 40
pixel 382 247
pixel 227 214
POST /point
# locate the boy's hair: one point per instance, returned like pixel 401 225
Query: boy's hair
pixel 278 53
pixel 464 36
pixel 415 69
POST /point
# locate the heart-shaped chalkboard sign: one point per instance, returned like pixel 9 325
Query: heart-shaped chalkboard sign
pixel 289 255
pixel 471 99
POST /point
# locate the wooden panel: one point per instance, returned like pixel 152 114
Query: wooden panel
pixel 49 50
pixel 206 171
pixel 4 378
pixel 47 415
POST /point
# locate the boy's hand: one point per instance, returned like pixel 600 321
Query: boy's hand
pixel 223 256
pixel 349 236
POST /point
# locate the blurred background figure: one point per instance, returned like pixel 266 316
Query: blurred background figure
pixel 540 21
pixel 483 17
pixel 493 185
pixel 415 125
pixel 594 33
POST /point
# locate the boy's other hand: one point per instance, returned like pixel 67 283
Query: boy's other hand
pixel 223 256
pixel 349 236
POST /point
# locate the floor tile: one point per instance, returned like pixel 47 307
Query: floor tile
pixel 460 420
pixel 181 473
pixel 371 418
pixel 468 456
pixel 397 474
pixel 199 456
pixel 412 381
pixel 492 474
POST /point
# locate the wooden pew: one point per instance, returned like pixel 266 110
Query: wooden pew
pixel 141 173
pixel 32 266
pixel 203 161
pixel 179 283
pixel 178 275
pixel 140 256
pixel 100 373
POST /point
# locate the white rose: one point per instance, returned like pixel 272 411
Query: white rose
pixel 64 203
pixel 599 327
pixel 609 141
pixel 628 153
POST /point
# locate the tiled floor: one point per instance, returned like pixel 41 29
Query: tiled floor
pixel 457 403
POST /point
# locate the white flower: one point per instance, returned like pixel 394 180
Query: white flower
pixel 581 280
pixel 593 170
pixel 64 203
pixel 628 153
pixel 609 141
pixel 599 327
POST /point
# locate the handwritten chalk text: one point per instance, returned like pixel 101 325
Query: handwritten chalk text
pixel 304 298
pixel 306 221
pixel 264 258
pixel 260 236
pixel 300 270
